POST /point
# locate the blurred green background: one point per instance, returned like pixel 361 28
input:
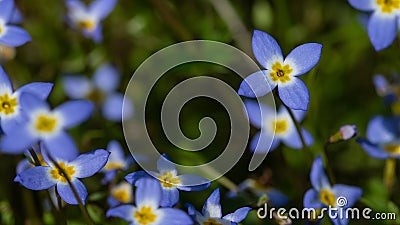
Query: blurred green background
pixel 340 86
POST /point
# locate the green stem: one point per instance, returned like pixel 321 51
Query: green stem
pixel 327 163
pixel 389 175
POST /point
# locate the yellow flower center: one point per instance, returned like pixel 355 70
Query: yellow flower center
pixel 387 6
pixel 122 195
pixel 280 73
pixel 392 149
pixel 280 126
pixel 114 166
pixel 145 215
pixel 86 24
pixel 46 123
pixel 327 198
pixel 211 221
pixel 63 173
pixel 7 104
pixel 168 180
pixel 1 29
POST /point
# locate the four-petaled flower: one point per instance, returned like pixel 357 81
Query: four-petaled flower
pixel 117 161
pixel 147 212
pixel 212 212
pixel 11 112
pixel 383 23
pixel 87 19
pixel 46 125
pixel 102 91
pixel 324 195
pixel 170 181
pixel 45 177
pixel 275 129
pixel 10 35
pixel 281 73
pixel 383 138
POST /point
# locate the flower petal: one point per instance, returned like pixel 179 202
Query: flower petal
pixel 39 89
pixel 14 36
pixel 312 200
pixel 277 198
pixel 30 103
pixel 303 58
pixel 295 95
pixel 258 112
pixel 75 5
pixel 382 30
pixel 351 193
pixel 256 85
pixel 6 9
pixel 113 106
pixel 373 149
pixel 17 140
pixel 61 146
pixel 170 197
pixel 148 192
pixel 75 112
pixel 135 176
pixel 191 182
pixel 76 87
pixel 363 5
pixel 101 8
pixel 298 114
pixel 124 212
pixel 174 216
pixel 263 142
pixel 293 139
pixel 67 194
pixel 238 215
pixel 212 207
pixel 16 16
pixel 266 49
pixel 106 78
pixel 381 129
pixel 5 82
pixel 90 163
pixel 36 178
pixel 318 177
pixel 164 165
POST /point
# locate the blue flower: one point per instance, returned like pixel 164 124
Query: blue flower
pixel 117 161
pixel 280 72
pixel 88 19
pixel 45 177
pixel 212 212
pixel 11 112
pixel 383 138
pixel 324 195
pixel 385 89
pixel 102 90
pixel 10 35
pixel 279 128
pixel 147 198
pixel 383 23
pixel 170 181
pixel 121 193
pixel 47 126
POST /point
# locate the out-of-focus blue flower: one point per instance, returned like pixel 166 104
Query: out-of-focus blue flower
pixel 170 181
pixel 383 138
pixel 47 126
pixel 102 90
pixel 117 161
pixel 212 212
pixel 10 35
pixel 280 72
pixel 323 195
pixel 121 193
pixel 147 198
pixel 88 19
pixel 45 177
pixel 383 22
pixel 11 112
pixel 388 90
pixel 280 128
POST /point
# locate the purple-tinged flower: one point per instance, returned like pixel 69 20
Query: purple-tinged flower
pixel 121 193
pixel 212 212
pixel 280 72
pixel 278 128
pixel 147 212
pixel 88 19
pixel 170 181
pixel 345 133
pixel 102 90
pixel 324 195
pixel 117 161
pixel 383 138
pixel 10 35
pixel 388 90
pixel 45 177
pixel 47 126
pixel 11 112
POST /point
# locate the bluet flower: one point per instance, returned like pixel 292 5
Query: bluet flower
pixel 117 161
pixel 10 35
pixel 121 193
